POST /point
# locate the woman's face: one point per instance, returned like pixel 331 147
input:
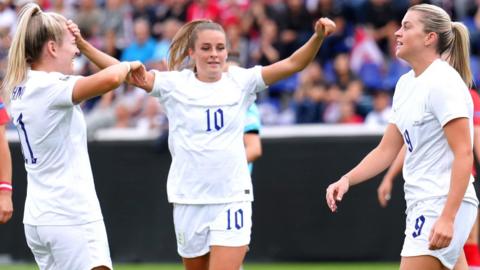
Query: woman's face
pixel 67 51
pixel 410 37
pixel 209 55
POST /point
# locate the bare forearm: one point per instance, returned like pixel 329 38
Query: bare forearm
pixel 305 54
pixel 374 163
pixel 460 179
pixel 5 159
pixel 99 58
pixel 396 166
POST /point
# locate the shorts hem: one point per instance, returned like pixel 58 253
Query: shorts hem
pixel 442 261
pixel 93 265
pixel 193 255
pixel 230 244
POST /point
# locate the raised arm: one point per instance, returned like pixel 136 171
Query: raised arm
pixel 301 57
pixel 102 60
pixel 103 81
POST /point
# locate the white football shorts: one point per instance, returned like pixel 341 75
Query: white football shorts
pixel 76 247
pixel 197 227
pixel 420 219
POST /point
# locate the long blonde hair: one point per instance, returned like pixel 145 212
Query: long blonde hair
pixel 185 39
pixel 453 38
pixel 34 29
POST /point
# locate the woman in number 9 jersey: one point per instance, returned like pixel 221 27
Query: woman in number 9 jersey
pixel 209 183
pixel 63 222
pixel 432 117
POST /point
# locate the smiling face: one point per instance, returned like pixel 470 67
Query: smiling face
pixel 411 37
pixel 209 55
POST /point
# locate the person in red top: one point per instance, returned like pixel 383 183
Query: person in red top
pixel 6 206
pixel 470 248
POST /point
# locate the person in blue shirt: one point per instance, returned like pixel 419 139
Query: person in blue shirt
pixel 251 137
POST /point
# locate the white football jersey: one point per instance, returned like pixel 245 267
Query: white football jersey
pixel 421 107
pixel 52 133
pixel 206 122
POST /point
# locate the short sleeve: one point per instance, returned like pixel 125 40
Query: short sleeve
pixel 251 78
pixel 3 113
pixel 448 102
pixel 163 83
pixel 60 92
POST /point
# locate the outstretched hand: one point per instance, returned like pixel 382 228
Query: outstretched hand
pixel 335 192
pixel 324 27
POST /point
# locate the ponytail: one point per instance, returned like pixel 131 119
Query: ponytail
pixel 459 52
pixel 34 29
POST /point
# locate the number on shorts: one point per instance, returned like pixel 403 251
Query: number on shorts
pixel 237 216
pixel 418 226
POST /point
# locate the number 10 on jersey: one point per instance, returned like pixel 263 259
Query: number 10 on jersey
pixel 214 119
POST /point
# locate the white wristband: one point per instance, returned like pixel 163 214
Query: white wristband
pixel 128 66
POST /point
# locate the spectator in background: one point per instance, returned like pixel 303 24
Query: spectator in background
pixel 340 41
pixel 295 27
pixel 143 48
pixel 8 18
pixel 143 9
pixel 380 17
pixel 6 206
pixel 89 17
pixel 169 28
pixel 348 114
pixel 237 43
pixel 266 49
pixel 310 95
pixel 203 9
pixel 114 27
pixel 380 115
pixel 174 9
pixel 63 7
pixel 340 73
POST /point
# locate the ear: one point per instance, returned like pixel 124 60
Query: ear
pixel 51 48
pixel 190 52
pixel 430 39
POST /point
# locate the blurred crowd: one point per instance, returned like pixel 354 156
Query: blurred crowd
pixel 351 81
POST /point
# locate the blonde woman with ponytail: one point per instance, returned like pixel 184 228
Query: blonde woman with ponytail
pixel 63 221
pixel 433 119
pixel 209 183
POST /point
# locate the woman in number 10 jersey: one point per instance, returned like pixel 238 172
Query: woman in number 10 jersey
pixel 63 222
pixel 432 117
pixel 209 183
